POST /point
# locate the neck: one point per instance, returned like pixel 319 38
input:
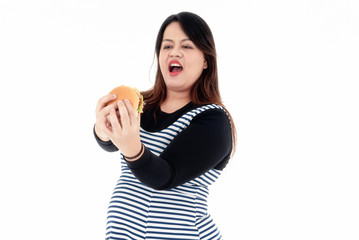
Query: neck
pixel 174 101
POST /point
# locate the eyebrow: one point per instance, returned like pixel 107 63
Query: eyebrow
pixel 170 40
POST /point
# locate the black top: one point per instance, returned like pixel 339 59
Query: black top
pixel 206 143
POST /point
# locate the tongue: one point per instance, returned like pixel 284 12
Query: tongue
pixel 176 69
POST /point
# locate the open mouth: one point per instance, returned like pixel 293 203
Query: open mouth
pixel 175 67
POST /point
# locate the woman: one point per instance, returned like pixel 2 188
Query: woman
pixel 179 145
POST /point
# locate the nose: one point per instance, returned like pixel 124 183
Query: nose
pixel 175 53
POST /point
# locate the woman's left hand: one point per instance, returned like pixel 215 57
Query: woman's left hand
pixel 125 129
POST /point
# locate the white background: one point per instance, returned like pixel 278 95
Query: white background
pixel 288 74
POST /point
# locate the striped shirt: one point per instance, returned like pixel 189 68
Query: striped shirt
pixel 139 211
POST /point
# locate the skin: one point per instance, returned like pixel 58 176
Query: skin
pixel 177 46
pixel 122 127
pixel 117 122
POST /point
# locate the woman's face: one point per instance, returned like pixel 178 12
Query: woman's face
pixel 181 62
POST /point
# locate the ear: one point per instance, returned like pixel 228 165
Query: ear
pixel 205 65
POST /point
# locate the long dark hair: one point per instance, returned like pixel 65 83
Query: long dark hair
pixel 205 90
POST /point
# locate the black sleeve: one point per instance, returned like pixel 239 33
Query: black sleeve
pixel 107 146
pixel 206 143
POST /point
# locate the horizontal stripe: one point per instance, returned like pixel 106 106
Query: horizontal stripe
pixel 170 234
pixel 134 230
pixel 155 139
pixel 170 238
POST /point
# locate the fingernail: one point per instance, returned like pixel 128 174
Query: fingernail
pixel 126 100
pixel 114 96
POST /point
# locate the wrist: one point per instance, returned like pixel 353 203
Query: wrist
pixel 135 155
pixel 102 137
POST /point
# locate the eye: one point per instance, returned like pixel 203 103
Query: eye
pixel 187 47
pixel 167 46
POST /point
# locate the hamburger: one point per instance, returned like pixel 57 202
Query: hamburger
pixel 132 94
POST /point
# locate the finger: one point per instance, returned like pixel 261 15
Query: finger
pixel 116 127
pixel 131 113
pixel 106 110
pixel 106 127
pixel 104 100
pixel 125 120
pixel 139 121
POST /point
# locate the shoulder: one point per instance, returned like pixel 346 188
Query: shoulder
pixel 214 130
pixel 212 119
pixel 210 112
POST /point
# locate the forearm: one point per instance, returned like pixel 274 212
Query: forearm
pixel 152 170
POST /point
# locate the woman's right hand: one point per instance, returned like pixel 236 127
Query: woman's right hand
pixel 102 116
